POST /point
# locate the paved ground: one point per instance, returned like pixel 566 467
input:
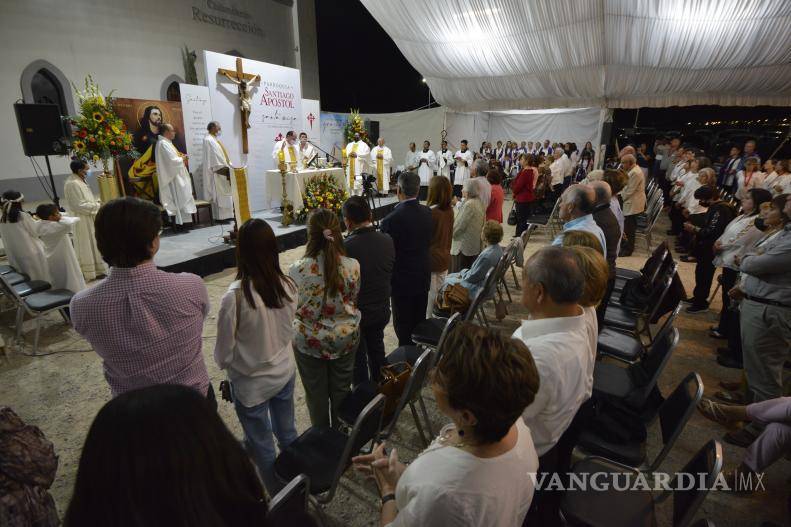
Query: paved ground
pixel 62 392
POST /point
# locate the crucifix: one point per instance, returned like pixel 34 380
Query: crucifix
pixel 244 82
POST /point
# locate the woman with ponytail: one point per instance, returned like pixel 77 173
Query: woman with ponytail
pixel 327 322
pixel 18 229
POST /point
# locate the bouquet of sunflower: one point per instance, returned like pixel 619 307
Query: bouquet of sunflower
pixel 98 132
pixel 354 124
pixel 321 192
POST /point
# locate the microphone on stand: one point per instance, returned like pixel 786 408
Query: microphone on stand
pixel 322 150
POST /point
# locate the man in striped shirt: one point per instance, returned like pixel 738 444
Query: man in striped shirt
pixel 144 323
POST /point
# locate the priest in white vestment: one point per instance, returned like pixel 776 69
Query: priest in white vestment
pixel 80 202
pixel 412 158
pixel 306 151
pixel 444 160
pixel 54 231
pixel 23 249
pixel 216 173
pixel 357 152
pixel 427 163
pixel 175 187
pixel 381 160
pixel 289 148
pixel 464 159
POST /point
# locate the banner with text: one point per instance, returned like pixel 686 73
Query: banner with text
pixel 196 112
pixel 275 108
pixel 332 139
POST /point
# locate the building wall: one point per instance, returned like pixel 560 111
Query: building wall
pixel 132 48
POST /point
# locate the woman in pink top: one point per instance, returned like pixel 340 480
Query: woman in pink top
pixel 495 209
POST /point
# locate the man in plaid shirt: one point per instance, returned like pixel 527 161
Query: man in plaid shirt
pixel 144 323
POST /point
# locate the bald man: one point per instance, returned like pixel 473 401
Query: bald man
pixel 576 210
pixel 634 199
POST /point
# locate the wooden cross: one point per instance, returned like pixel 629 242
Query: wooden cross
pixel 243 81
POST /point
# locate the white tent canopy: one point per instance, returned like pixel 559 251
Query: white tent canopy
pixel 479 55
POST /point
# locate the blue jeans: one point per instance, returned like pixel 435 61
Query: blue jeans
pixel 259 423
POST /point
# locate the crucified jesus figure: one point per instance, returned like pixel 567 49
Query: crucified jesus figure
pixel 245 95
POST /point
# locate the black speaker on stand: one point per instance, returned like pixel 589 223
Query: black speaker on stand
pixel 43 134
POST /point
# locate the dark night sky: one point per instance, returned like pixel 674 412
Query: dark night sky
pixel 343 26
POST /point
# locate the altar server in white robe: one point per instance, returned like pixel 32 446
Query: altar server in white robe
pixel 381 160
pixel 464 159
pixel 25 252
pixel 357 152
pixel 306 151
pixel 444 160
pixel 54 231
pixel 80 202
pixel 427 163
pixel 216 172
pixel 412 158
pixel 289 147
pixel 175 187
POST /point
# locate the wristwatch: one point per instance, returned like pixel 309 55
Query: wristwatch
pixel 388 497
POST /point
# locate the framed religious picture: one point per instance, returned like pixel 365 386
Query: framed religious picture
pixel 143 119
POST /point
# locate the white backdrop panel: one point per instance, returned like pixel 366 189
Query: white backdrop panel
pixel 578 126
pixel 399 129
pixel 473 126
pixel 276 109
pixel 197 116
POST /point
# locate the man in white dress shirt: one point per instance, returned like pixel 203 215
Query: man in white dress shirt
pixel 427 163
pixel 175 187
pixel 216 169
pixel 557 337
pixel 381 160
pixel 444 160
pixel 306 151
pixel 464 159
pixel 357 152
pixel 412 158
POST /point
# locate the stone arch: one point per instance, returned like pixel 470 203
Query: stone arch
pixel 26 83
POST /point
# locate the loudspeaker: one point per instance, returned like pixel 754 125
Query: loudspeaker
pixel 40 128
pixel 372 127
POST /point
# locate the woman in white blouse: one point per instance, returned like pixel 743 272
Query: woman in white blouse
pixel 750 177
pixel 739 236
pixel 254 335
pixel 478 472
pixel 779 181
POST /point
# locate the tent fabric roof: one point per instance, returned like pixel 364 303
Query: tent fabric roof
pixel 520 54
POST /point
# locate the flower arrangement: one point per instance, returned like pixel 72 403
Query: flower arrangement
pixel 321 192
pixel 354 124
pixel 98 132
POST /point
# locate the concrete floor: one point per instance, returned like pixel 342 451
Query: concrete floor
pixel 62 392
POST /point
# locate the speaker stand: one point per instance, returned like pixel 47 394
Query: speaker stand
pixel 55 197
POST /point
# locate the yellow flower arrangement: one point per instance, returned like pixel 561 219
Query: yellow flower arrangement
pixel 321 191
pixel 99 134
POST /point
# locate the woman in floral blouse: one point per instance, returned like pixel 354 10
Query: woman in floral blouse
pixel 327 322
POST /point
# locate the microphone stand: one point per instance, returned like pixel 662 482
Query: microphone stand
pixel 325 152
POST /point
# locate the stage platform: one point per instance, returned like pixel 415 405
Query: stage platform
pixel 201 250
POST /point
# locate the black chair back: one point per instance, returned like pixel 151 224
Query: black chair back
pixel 646 372
pixel 417 379
pixel 449 325
pixel 686 503
pixel 291 503
pixel 675 411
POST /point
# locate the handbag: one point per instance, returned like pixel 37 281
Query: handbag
pixel 225 386
pixel 392 385
pixel 512 215
pixel 454 299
